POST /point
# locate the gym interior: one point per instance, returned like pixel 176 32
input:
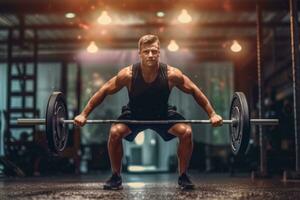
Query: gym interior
pixel 223 46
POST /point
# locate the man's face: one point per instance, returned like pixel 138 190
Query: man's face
pixel 149 54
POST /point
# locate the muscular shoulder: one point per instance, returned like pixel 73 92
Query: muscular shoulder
pixel 125 74
pixel 175 76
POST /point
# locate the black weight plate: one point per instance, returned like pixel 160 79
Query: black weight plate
pixel 239 131
pixel 57 132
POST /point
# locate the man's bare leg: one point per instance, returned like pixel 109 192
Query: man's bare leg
pixel 184 152
pixel 115 146
pixel 115 151
pixel 185 147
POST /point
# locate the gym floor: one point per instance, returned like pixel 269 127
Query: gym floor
pixel 148 186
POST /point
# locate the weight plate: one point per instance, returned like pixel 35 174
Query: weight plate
pixel 240 130
pixel 57 132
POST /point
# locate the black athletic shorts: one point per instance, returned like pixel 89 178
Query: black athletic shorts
pixel 161 129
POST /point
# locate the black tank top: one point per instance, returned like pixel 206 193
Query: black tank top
pixel 149 100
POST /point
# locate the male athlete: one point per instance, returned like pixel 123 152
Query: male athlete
pixel 149 84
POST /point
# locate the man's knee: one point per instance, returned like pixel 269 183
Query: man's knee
pixel 186 134
pixel 117 132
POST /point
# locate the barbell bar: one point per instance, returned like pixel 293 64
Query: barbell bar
pixel 41 121
pixel 57 118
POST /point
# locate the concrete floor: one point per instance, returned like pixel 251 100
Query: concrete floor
pixel 148 186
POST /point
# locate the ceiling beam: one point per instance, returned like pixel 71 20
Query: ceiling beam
pixel 226 25
pixel 83 6
pixel 72 57
pixel 132 42
pixel 104 40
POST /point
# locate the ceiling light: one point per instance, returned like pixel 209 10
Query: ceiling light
pixel 160 14
pixel 104 18
pixel 92 48
pixel 236 47
pixel 184 17
pixel 173 46
pixel 70 15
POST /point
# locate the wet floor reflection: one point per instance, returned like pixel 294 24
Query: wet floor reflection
pixel 151 186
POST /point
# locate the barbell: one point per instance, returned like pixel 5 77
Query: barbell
pixel 57 118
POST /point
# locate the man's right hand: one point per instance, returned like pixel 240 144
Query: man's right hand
pixel 80 120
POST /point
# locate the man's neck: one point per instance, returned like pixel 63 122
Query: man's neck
pixel 149 69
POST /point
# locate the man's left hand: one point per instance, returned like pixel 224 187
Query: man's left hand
pixel 216 120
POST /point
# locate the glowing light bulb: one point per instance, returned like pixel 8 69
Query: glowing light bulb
pixel 160 14
pixel 92 48
pixel 70 15
pixel 236 47
pixel 173 46
pixel 184 17
pixel 104 18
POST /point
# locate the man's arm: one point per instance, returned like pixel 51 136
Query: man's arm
pixel 110 87
pixel 182 82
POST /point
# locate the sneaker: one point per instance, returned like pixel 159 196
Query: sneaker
pixel 113 183
pixel 184 182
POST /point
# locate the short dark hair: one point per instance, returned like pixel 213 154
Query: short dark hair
pixel 147 39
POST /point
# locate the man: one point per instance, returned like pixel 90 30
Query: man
pixel 149 84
